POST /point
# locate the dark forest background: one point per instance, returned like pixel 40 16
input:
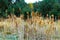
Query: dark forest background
pixel 21 7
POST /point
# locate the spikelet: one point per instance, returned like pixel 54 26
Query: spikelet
pixel 1 24
pixel 58 22
pixel 33 14
pixel 35 29
pixel 52 15
pixel 22 16
pixel 18 20
pixel 26 27
pixel 41 23
pixel 50 30
pixel 58 25
pixel 7 24
pixel 47 32
pixel 47 15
